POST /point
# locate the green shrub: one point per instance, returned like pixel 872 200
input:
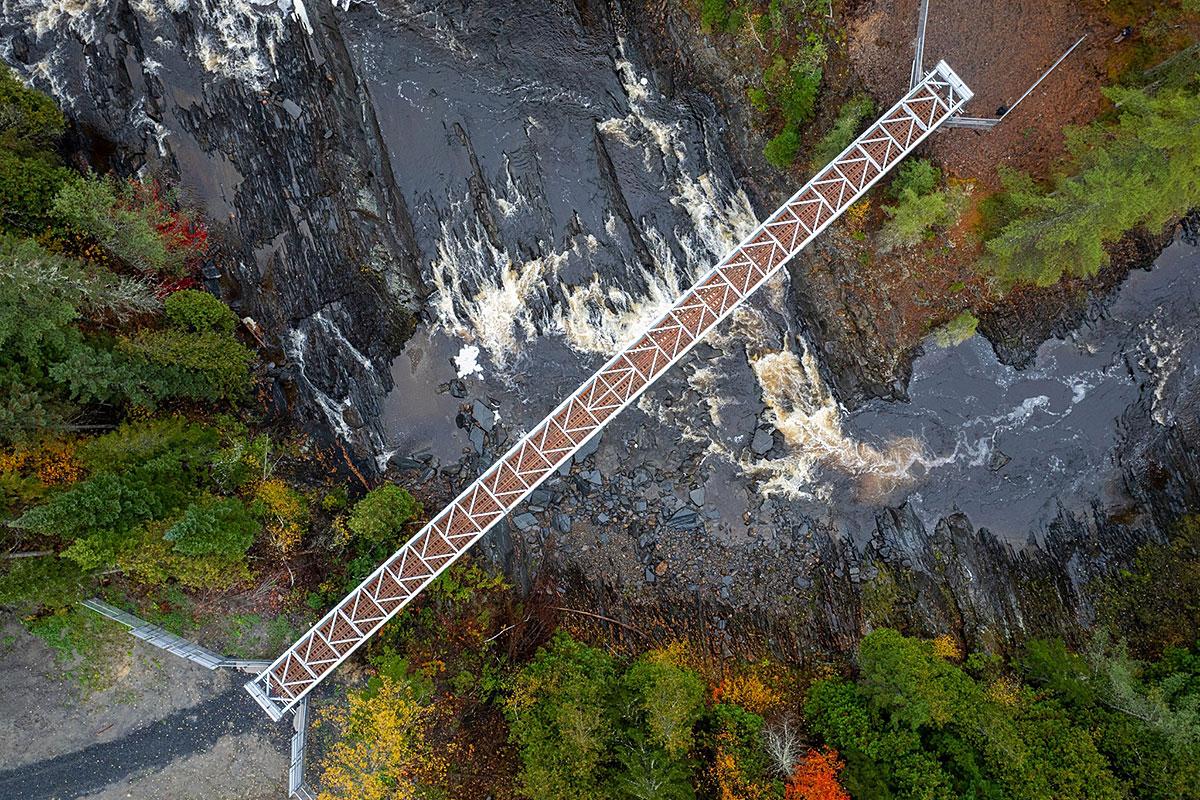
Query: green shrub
pixel 957 330
pixel 87 205
pixel 36 332
pixel 144 510
pixel 758 99
pixel 851 116
pixel 24 411
pixel 781 151
pixel 335 499
pixel 670 698
pixel 49 582
pixel 151 560
pixel 1143 170
pixel 560 715
pixel 794 86
pixel 28 268
pixel 46 363
pixel 119 222
pixel 714 15
pixel 156 366
pixel 199 312
pixel 463 581
pixel 85 645
pixel 152 478
pixel 28 185
pixel 30 170
pixel 916 176
pixel 283 510
pixel 739 734
pixel 17 491
pixel 917 725
pixel 30 122
pixel 1156 602
pixel 912 219
pixel 207 366
pixel 798 94
pixel 382 514
pixel 242 461
pixel 134 443
pixel 112 502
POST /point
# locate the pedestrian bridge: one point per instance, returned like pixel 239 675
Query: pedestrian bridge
pixel 933 100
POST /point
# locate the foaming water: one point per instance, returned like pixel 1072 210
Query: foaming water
pixel 800 406
pixel 1009 447
pixel 805 413
pixel 491 295
pixel 1164 355
pixel 756 363
pixel 1012 447
pixel 296 348
pixel 600 316
pixel 721 213
pixel 235 39
pixel 485 296
pixel 559 202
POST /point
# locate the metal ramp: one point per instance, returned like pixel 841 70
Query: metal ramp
pixel 165 640
pixel 959 121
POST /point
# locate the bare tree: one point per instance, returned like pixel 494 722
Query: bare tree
pixel 784 745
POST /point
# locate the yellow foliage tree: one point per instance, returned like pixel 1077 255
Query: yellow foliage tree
pixel 1006 691
pixel 53 461
pixel 946 647
pixel 383 751
pixel 730 778
pixel 856 215
pixel 283 511
pixel 748 691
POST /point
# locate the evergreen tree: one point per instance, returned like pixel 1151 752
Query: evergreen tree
pixel 1144 170
pixel 214 526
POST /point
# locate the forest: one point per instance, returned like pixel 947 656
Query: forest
pixel 905 718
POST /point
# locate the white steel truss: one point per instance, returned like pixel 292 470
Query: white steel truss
pixel 617 384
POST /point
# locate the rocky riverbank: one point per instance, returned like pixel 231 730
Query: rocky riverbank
pixel 654 543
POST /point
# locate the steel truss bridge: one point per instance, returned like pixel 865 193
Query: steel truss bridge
pixel 934 99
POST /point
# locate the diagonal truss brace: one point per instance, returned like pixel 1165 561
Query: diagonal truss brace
pixel 938 96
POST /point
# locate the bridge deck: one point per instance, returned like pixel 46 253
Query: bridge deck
pixel 617 384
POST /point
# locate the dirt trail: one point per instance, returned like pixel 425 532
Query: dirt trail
pixel 999 49
pixel 247 760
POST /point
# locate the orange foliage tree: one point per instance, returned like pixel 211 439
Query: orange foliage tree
pixel 816 777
